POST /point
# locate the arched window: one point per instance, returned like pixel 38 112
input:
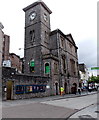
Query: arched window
pixel 47 68
pixel 32 35
pixel 32 65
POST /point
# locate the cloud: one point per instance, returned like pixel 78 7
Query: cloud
pixel 87 52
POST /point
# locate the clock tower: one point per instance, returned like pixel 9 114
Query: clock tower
pixel 37 30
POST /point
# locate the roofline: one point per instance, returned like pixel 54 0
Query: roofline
pixel 36 3
pixel 15 55
pixel 1 26
pixel 65 36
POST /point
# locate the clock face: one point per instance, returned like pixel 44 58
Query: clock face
pixel 32 15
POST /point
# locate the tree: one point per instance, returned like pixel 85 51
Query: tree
pixel 93 79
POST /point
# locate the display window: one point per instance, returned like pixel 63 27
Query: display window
pixel 19 89
pixel 28 89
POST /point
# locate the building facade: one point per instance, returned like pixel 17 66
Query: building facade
pixel 1 43
pixel 50 59
pixel 49 53
pixel 1 46
pixel 15 62
pixel 6 46
pixel 84 74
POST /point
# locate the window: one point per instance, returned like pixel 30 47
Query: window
pixel 56 67
pixel 32 35
pixel 45 16
pixel 32 65
pixel 64 63
pixel 72 62
pixel 46 37
pixel 29 88
pixel 71 47
pixel 47 68
pixel 62 42
pixel 45 34
pixel 19 89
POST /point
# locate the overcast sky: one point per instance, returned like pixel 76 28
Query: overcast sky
pixel 78 17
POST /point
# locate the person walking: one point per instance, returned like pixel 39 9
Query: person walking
pixel 79 90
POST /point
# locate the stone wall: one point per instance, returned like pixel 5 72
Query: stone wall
pixel 23 85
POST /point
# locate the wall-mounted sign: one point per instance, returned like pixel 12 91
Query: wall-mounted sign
pixel 7 63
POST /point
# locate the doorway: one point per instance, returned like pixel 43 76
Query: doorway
pixel 65 87
pixel 74 88
pixel 56 85
pixel 9 89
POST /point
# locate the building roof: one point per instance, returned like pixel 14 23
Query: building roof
pixel 68 36
pixel 11 54
pixel 37 3
pixel 82 67
pixel 1 26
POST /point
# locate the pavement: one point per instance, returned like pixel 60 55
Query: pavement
pixel 9 103
pixel 87 112
pixel 19 108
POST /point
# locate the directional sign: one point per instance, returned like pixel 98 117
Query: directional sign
pixel 95 68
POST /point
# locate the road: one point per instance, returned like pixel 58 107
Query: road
pixel 76 107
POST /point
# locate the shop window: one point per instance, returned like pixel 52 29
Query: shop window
pixel 47 68
pixel 19 89
pixel 28 88
pixel 34 88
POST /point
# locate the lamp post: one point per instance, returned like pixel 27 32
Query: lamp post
pixel 22 60
pixel 22 50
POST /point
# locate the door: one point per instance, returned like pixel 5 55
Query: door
pixel 56 84
pixel 65 87
pixel 9 89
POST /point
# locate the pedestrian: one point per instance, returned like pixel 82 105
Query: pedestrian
pixel 61 91
pixel 90 88
pixel 79 90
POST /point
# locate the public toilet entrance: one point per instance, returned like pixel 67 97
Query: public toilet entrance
pixel 9 90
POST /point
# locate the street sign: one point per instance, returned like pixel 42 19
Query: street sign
pixel 95 68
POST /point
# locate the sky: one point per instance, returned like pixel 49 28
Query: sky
pixel 78 17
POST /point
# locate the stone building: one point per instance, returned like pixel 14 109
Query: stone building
pixel 84 74
pixel 50 59
pixel 52 53
pixel 1 46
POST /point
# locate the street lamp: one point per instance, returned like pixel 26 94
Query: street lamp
pixel 21 55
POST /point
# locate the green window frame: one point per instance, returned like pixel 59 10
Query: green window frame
pixel 47 68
